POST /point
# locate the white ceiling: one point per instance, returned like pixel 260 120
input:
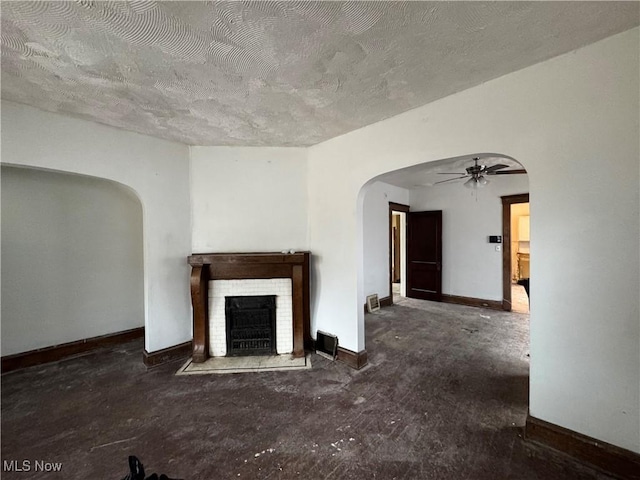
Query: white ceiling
pixel 275 73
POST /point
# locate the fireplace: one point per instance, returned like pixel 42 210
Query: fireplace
pixel 251 325
pixel 283 276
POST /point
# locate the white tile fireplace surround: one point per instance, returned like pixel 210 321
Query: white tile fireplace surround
pixel 280 287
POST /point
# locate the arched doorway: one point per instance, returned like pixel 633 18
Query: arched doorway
pixel 472 271
pixel 454 356
pixel 72 256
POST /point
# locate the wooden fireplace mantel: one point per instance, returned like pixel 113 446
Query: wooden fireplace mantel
pixel 234 266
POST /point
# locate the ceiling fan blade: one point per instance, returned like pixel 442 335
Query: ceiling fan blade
pixel 451 179
pixel 451 173
pixel 509 172
pixel 493 168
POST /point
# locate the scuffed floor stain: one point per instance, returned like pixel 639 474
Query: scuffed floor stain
pixel 436 402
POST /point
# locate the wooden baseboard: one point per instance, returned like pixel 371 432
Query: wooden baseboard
pixel 66 350
pixel 352 359
pixel 472 302
pixel 612 460
pixel 348 357
pixel 384 302
pixel 166 355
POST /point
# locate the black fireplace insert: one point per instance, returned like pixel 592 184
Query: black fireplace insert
pixel 251 325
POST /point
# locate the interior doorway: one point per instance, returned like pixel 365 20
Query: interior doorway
pixel 397 251
pixel 519 257
pixel 515 256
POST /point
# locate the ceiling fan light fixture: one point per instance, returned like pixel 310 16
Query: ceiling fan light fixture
pixel 476 182
pixel 472 183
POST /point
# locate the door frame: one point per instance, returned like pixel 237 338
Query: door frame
pixel 394 207
pixel 507 201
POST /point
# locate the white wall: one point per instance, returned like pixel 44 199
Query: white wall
pixel 158 172
pixel 376 235
pixel 470 265
pixel 563 119
pixel 71 257
pixel 249 199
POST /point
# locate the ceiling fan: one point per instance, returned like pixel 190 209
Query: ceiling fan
pixel 476 174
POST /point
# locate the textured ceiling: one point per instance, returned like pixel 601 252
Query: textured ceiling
pixel 275 73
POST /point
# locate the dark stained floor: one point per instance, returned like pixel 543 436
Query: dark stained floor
pixel 444 397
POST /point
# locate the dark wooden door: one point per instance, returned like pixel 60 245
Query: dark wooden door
pixel 424 255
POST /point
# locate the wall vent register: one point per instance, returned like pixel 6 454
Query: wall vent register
pixel 373 303
pixel 326 345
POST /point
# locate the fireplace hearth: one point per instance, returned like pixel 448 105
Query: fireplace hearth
pixel 251 325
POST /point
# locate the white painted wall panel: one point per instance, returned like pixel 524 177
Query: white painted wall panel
pixel 156 170
pixel 249 199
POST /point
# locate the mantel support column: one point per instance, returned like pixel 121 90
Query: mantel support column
pixel 200 301
pixel 298 310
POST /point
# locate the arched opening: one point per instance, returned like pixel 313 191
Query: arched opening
pixel 72 258
pixel 471 270
pixel 472 260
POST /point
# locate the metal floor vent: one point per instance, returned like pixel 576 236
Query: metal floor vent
pixel 373 303
pixel 326 345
